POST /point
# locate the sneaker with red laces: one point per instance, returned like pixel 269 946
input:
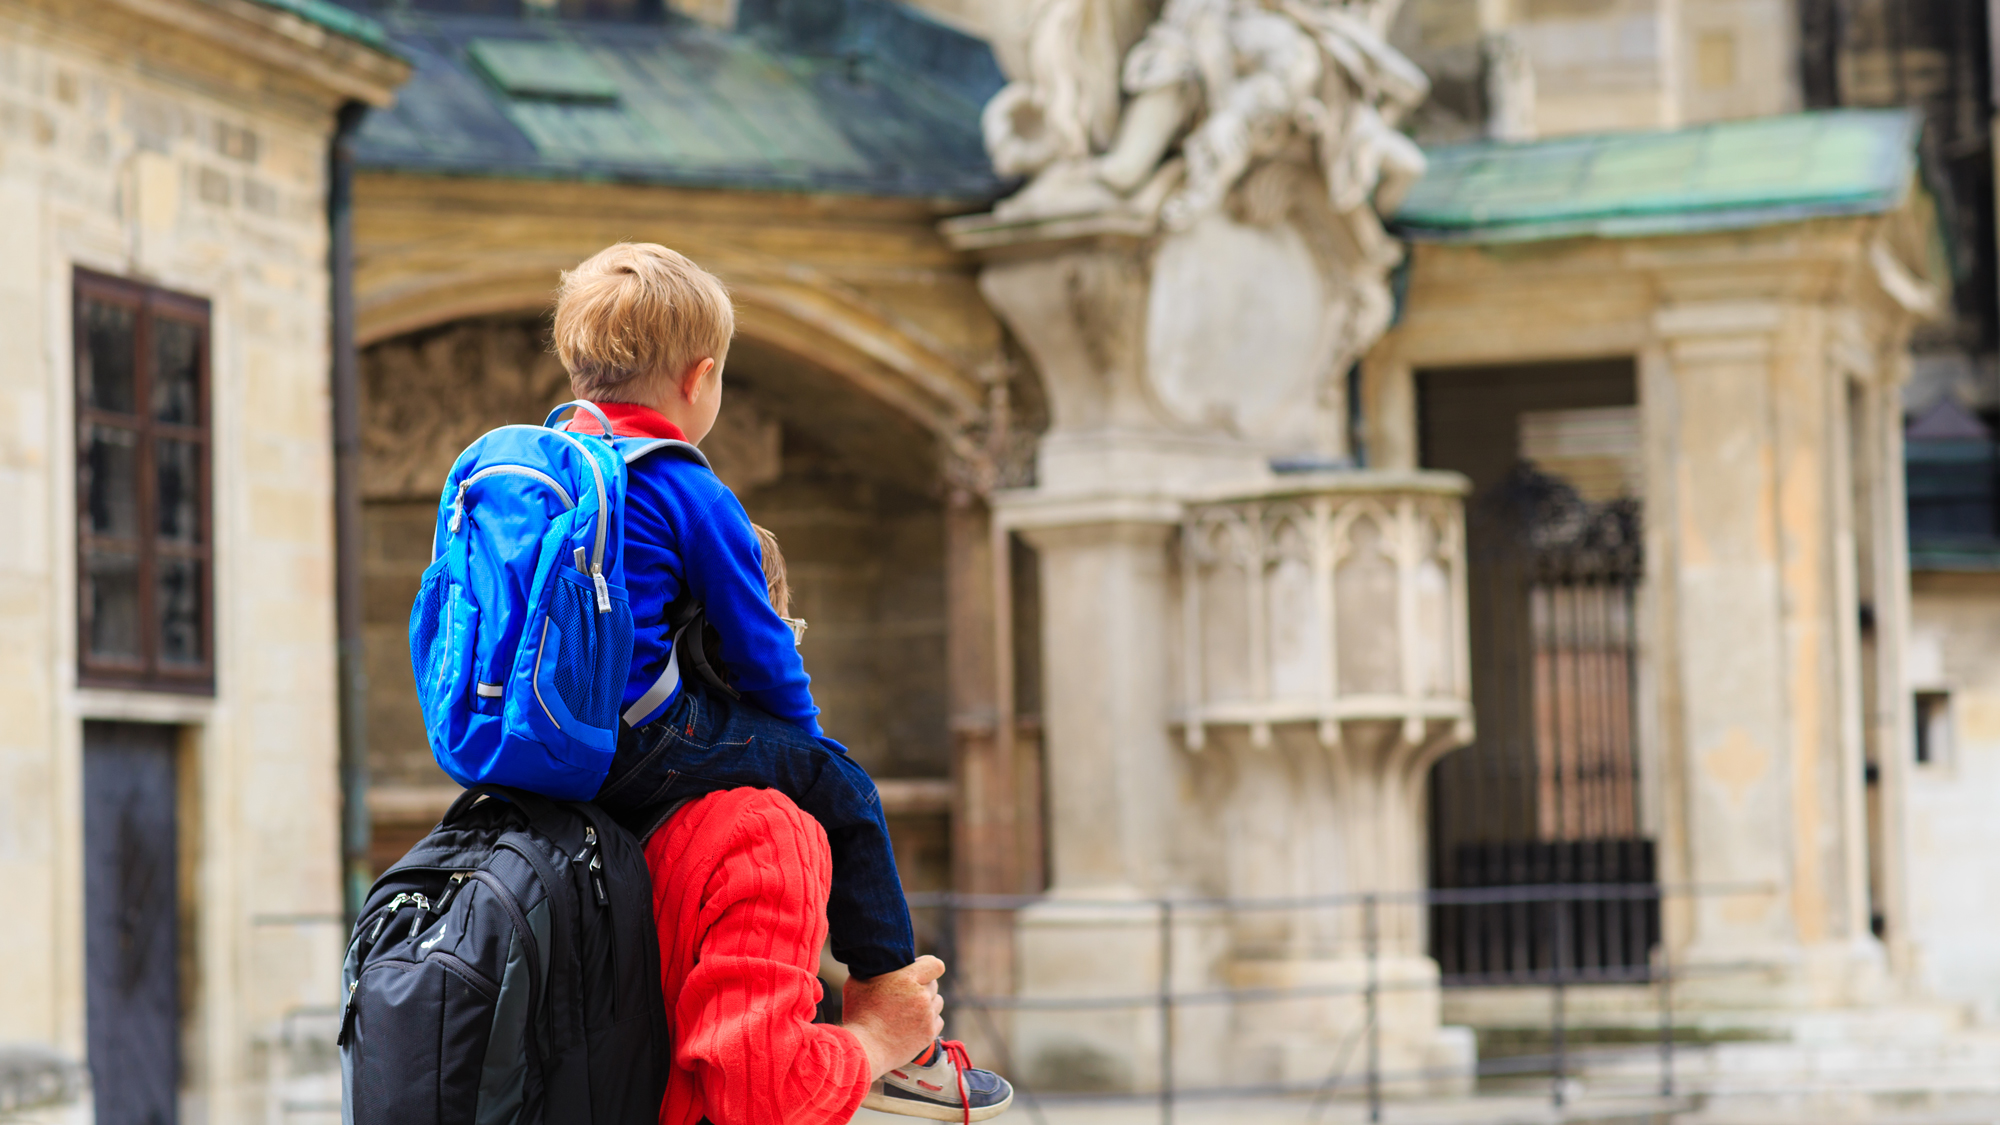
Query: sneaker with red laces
pixel 943 1085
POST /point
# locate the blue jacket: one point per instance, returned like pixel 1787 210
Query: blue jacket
pixel 684 530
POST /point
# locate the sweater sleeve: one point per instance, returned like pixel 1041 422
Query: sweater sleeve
pixel 745 1010
pixel 724 569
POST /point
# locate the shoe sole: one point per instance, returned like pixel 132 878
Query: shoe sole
pixel 936 1111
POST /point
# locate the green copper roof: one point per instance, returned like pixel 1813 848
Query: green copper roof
pixel 867 98
pixel 334 18
pixel 1724 176
pixel 537 70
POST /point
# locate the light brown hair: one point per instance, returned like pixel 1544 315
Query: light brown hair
pixel 777 587
pixel 635 315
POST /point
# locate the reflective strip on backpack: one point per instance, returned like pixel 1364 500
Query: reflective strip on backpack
pixel 670 678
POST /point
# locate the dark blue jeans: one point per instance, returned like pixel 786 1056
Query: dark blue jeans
pixel 706 743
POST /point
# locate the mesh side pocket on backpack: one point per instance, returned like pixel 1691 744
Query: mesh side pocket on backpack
pixel 425 624
pixel 596 653
pixel 443 625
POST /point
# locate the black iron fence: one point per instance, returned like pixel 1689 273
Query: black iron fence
pixel 1475 940
pixel 1572 934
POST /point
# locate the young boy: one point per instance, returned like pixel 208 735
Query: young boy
pixel 643 332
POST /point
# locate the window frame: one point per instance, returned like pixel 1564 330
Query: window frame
pixel 1931 745
pixel 149 304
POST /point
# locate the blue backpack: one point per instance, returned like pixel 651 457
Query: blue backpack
pixel 521 636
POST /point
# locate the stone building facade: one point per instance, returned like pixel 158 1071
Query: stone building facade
pixel 1686 393
pixel 1142 503
pixel 168 798
pixel 1069 665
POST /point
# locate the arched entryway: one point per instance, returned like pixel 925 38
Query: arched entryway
pixel 851 484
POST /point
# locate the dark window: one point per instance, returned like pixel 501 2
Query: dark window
pixel 1951 477
pixel 144 553
pixel 1933 715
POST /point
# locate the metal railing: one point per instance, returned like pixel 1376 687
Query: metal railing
pixel 1560 972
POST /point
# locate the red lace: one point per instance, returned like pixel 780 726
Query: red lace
pixel 960 1062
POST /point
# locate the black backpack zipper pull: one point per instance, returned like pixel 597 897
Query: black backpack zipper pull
pixel 450 891
pixel 423 914
pixel 594 865
pixel 347 1016
pixel 388 912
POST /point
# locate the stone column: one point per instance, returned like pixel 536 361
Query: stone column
pixel 985 833
pixel 1109 770
pixel 1153 420
pixel 1760 602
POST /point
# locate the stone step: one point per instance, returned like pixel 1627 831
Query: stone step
pixel 1897 1024
pixel 1521 1109
pixel 1831 1110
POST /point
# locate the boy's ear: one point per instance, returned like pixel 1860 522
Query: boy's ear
pixel 691 382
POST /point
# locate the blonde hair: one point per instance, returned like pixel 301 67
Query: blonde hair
pixel 635 315
pixel 777 587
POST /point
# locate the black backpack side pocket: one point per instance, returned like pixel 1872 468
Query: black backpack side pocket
pixel 420 1032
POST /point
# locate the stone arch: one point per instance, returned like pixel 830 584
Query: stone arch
pixel 790 308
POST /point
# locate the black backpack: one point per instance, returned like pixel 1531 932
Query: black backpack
pixel 507 972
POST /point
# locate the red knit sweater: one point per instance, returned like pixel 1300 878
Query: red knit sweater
pixel 740 881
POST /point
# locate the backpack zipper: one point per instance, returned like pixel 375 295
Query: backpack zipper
pixel 450 890
pixel 593 865
pixel 422 915
pixel 388 912
pixel 458 503
pixel 402 899
pixel 597 556
pixel 347 1013
pixel 467 973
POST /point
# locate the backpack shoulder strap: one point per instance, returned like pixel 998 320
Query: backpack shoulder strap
pixel 544 815
pixel 580 405
pixel 668 446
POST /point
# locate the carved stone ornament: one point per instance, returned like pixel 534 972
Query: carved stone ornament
pixel 1257 139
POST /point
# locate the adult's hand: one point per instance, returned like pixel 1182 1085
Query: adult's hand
pixel 895 1015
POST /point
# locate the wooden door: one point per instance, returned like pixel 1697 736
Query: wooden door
pixel 131 921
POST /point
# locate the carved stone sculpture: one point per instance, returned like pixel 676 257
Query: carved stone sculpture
pixel 1232 81
pixel 1258 139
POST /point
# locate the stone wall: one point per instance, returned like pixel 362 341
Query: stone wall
pixel 1953 906
pixel 1555 67
pixel 134 143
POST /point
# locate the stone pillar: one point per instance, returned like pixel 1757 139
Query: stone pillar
pixel 1109 774
pixel 1156 426
pixel 985 849
pixel 1104 605
pixel 1758 595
